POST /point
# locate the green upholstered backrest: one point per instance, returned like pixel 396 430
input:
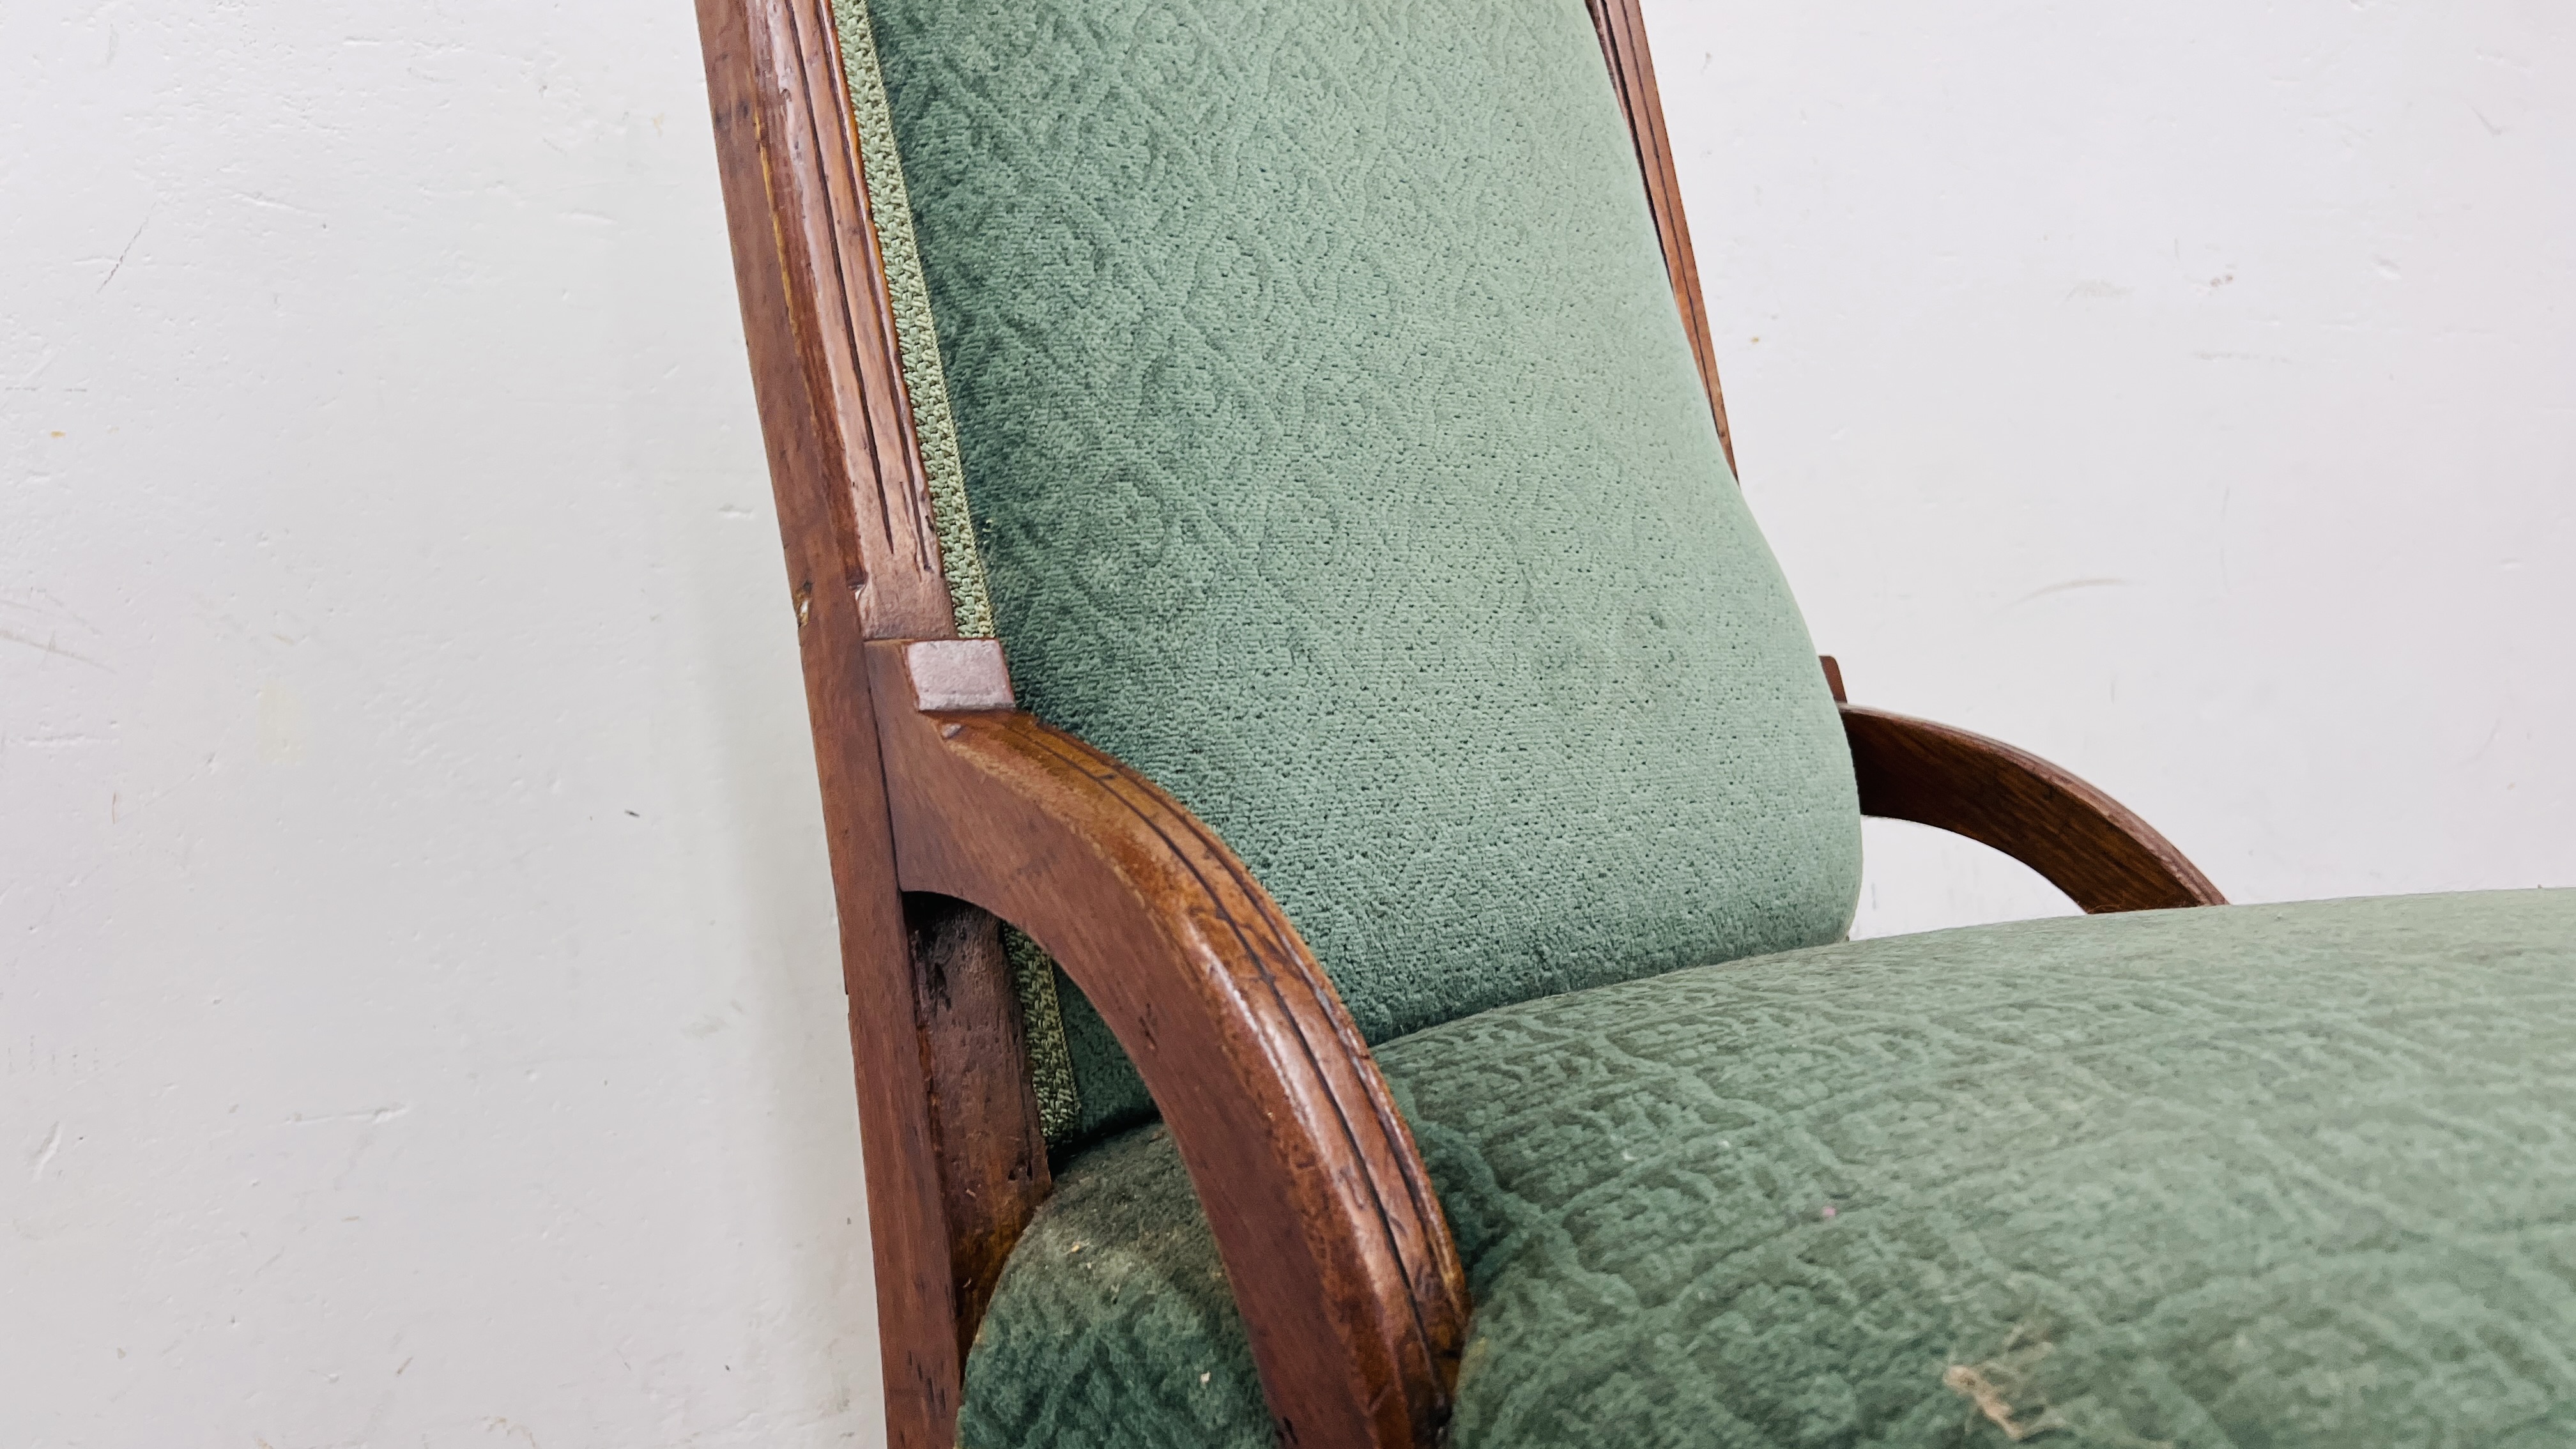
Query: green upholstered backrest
pixel 1337 458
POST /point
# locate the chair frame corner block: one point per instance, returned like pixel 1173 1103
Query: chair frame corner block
pixel 949 810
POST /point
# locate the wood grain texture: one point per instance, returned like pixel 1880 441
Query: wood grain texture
pixel 986 1144
pixel 1622 28
pixel 954 1158
pixel 820 328
pixel 2087 844
pixel 1332 1238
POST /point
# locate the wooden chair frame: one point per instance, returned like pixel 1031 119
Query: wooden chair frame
pixel 948 808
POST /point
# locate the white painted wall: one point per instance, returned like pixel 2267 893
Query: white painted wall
pixel 418 1022
pixel 2185 392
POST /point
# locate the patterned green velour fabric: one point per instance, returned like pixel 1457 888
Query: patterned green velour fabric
pixel 2293 1176
pixel 1340 463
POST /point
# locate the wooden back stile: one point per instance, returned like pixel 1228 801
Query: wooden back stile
pixel 951 1175
pixel 1632 71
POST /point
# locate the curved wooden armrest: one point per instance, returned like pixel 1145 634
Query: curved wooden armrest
pixel 1351 1286
pixel 2086 843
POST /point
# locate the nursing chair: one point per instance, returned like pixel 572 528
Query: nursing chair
pixel 1344 846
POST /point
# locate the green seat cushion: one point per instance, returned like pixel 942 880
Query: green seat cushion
pixel 1338 460
pixel 2258 1175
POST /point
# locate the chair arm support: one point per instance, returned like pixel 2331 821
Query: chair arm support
pixel 2086 843
pixel 1324 1214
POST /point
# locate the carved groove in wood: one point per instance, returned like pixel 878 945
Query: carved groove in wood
pixel 1331 1234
